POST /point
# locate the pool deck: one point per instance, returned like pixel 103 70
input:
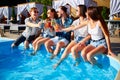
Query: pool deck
pixel 115 42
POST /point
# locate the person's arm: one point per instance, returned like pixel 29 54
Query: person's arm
pixel 84 40
pixel 33 24
pixel 75 27
pixel 107 38
pixel 30 24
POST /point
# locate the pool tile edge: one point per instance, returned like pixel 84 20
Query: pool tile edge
pixel 118 76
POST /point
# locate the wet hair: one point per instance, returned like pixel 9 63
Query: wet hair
pixel 83 10
pixel 63 8
pixel 95 15
pixel 54 12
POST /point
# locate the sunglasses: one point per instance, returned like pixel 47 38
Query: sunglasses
pixel 36 12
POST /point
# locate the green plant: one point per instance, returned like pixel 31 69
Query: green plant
pixel 13 14
pixel 44 16
pixel 104 13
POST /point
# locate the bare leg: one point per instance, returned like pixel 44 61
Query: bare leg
pixel 75 53
pixel 65 53
pixel 41 41
pixel 68 49
pixel 48 45
pixel 90 54
pixel 38 43
pixel 35 41
pixel 58 47
pixel 26 44
pixel 85 51
pixel 76 49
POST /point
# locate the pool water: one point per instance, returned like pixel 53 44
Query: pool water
pixel 17 64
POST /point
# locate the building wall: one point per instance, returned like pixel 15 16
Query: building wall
pixel 105 3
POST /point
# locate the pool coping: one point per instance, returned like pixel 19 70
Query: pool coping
pixel 8 38
pixel 118 74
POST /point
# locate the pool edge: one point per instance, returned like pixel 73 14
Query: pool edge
pixel 118 74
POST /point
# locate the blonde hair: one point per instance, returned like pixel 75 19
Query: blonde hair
pixel 33 9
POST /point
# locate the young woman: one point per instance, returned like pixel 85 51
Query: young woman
pixel 79 34
pixel 48 27
pixel 61 39
pixel 98 30
pixel 99 35
pixel 30 33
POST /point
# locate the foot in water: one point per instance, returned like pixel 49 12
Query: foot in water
pixel 56 65
pixel 33 53
pixel 77 61
pixel 52 56
pixel 94 62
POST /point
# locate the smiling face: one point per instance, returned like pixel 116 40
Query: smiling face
pixel 34 13
pixel 78 11
pixel 50 14
pixel 60 12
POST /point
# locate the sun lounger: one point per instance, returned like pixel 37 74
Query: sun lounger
pixel 17 27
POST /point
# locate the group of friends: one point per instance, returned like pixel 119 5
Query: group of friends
pixel 89 31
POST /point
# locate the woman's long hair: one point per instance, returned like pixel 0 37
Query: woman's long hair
pixel 95 15
pixel 64 9
pixel 83 10
pixel 54 12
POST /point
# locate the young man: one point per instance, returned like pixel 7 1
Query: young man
pixel 30 33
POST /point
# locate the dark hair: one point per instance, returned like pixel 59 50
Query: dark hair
pixel 63 8
pixel 83 10
pixel 95 15
pixel 55 13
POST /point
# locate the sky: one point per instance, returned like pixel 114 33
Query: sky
pixel 11 2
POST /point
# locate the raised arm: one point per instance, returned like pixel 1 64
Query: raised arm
pixel 75 27
pixel 29 24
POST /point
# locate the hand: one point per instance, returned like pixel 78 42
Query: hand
pixel 41 24
pixel 81 43
pixel 111 53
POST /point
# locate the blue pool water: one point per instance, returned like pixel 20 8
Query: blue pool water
pixel 16 64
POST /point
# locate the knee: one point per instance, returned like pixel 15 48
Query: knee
pixel 46 44
pixel 89 57
pixel 73 50
pixel 59 45
pixel 37 43
pixel 83 53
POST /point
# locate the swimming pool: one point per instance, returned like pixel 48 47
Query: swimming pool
pixel 17 64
